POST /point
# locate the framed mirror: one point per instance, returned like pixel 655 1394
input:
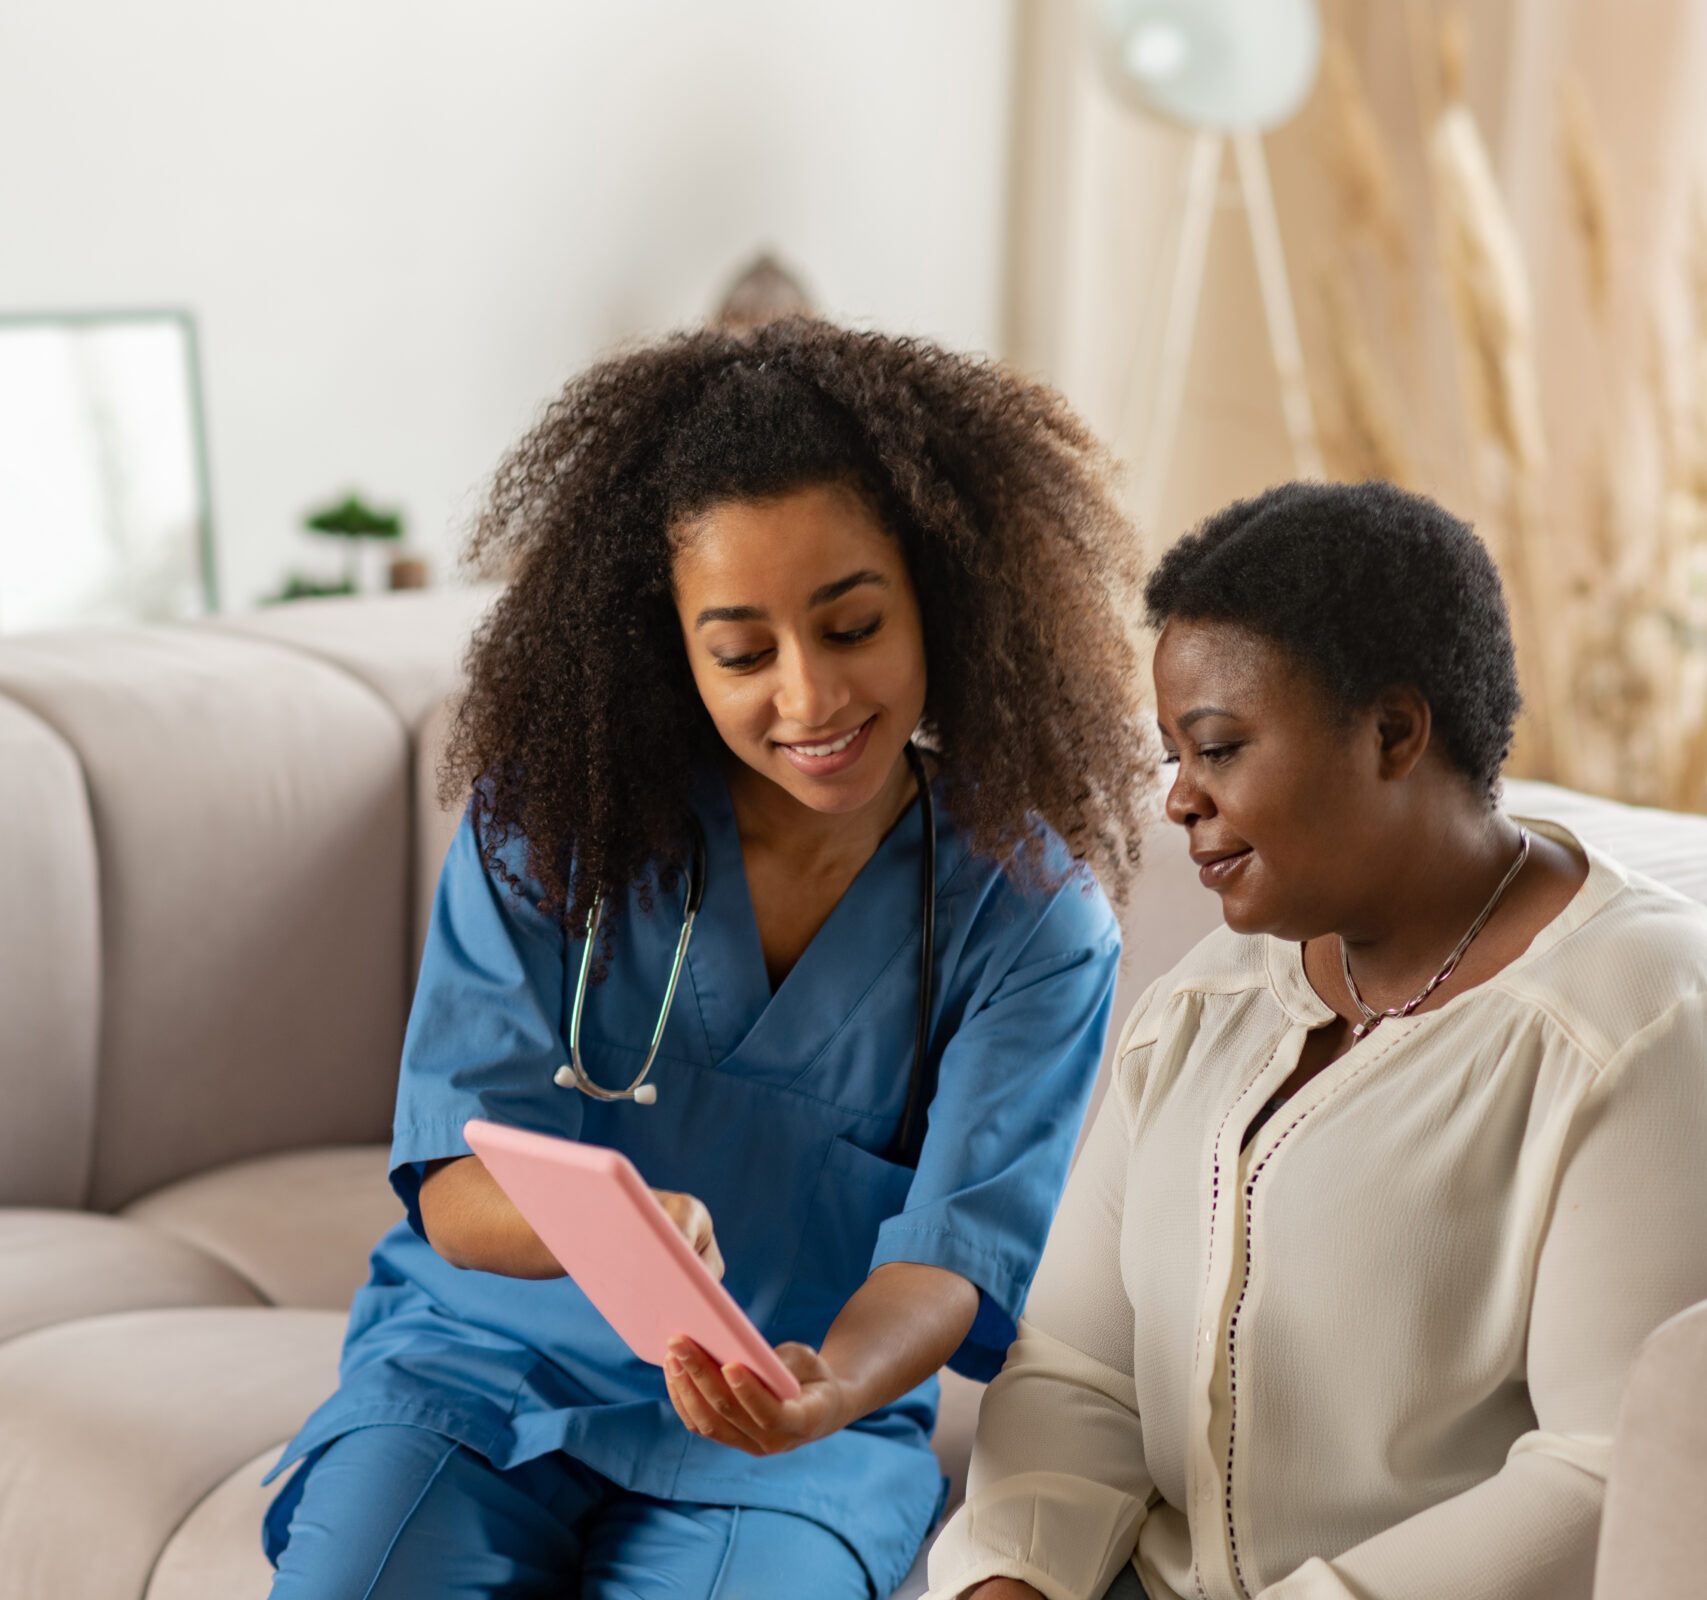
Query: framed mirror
pixel 104 502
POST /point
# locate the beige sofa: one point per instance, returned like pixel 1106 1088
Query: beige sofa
pixel 217 843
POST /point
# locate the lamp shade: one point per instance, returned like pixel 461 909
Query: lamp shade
pixel 1229 65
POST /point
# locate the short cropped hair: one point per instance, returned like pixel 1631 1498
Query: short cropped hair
pixel 1367 587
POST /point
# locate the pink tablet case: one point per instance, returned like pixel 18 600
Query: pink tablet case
pixel 596 1215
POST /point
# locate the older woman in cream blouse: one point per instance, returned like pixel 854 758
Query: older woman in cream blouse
pixel 1348 1277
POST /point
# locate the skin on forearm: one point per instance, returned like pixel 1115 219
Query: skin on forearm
pixel 901 1325
pixel 473 1224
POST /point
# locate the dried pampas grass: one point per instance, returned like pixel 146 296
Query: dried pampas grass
pixel 1588 183
pixel 1371 443
pixel 1695 466
pixel 1357 156
pixel 1672 422
pixel 1621 656
pixel 1454 54
pixel 1690 789
pixel 1605 564
pixel 1685 525
pixel 1488 287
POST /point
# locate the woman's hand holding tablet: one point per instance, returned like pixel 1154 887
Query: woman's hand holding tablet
pixel 730 1405
pixel 591 1209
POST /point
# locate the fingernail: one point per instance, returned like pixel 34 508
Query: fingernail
pixel 673 1365
pixel 734 1376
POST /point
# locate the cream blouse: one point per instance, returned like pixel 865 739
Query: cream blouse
pixel 1376 1355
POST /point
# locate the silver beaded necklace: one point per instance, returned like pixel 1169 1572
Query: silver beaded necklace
pixel 1372 1018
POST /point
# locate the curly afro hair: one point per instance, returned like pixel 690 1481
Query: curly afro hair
pixel 1367 586
pixel 999 497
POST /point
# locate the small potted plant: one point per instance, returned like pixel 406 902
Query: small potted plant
pixel 352 519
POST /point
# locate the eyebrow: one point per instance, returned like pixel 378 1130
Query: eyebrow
pixel 819 597
pixel 1198 713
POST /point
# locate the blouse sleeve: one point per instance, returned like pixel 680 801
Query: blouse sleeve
pixel 1012 1088
pixel 1623 1252
pixel 485 1030
pixel 1058 1487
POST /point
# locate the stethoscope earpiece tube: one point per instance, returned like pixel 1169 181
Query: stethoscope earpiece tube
pixel 573 1074
pixel 921 1082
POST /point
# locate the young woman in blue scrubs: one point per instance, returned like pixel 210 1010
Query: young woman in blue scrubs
pixel 745 574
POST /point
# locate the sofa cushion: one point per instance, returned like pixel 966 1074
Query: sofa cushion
pixel 60 1265
pixel 118 1427
pixel 297 1226
pixel 251 812
pixel 216 1550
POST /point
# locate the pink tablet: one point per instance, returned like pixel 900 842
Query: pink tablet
pixel 594 1213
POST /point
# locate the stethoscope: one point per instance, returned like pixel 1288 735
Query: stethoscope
pixel 921 1086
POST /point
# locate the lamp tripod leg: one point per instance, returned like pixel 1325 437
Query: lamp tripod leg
pixel 1203 173
pixel 1278 314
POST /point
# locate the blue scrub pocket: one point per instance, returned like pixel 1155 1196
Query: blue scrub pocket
pixel 855 1194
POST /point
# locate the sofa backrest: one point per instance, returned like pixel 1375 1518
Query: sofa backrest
pixel 1668 846
pixel 208 888
pixel 218 845
pixel 50 965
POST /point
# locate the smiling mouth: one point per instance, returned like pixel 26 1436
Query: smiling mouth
pixel 830 747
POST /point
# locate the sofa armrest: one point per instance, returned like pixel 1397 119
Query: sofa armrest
pixel 1653 1536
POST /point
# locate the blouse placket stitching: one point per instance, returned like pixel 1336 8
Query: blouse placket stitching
pixel 1214 1201
pixel 1239 1305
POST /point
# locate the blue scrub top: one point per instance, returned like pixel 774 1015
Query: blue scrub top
pixel 776 1110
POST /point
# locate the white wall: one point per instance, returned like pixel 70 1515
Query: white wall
pixel 402 226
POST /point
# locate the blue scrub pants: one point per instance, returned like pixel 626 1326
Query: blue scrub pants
pixel 401 1513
